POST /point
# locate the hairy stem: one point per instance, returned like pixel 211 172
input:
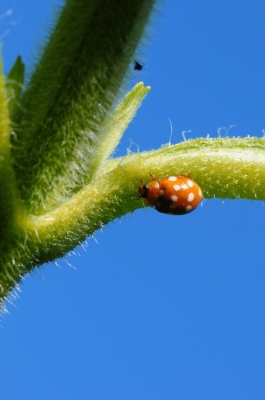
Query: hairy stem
pixel 226 168
pixel 222 167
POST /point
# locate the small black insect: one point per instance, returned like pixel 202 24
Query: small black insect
pixel 137 66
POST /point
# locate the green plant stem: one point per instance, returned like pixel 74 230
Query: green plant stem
pixel 222 167
pixel 226 168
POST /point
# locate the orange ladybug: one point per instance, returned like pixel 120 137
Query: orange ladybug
pixel 174 195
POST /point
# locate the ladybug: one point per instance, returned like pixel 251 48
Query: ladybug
pixel 175 195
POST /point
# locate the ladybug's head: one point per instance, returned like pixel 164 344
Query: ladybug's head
pixel 150 192
pixel 142 190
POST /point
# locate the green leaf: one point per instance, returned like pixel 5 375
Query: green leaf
pixel 8 193
pixel 14 84
pixel 70 95
pixel 115 126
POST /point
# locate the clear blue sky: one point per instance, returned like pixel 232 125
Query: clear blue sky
pixel 161 307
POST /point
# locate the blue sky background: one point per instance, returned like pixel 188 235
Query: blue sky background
pixel 159 307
